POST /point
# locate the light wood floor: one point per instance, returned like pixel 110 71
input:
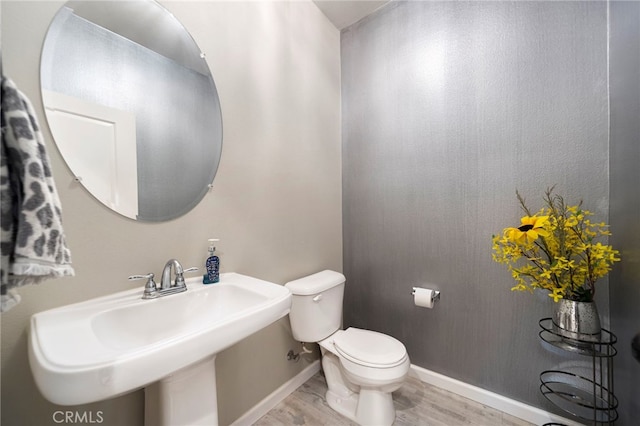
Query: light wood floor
pixel 416 402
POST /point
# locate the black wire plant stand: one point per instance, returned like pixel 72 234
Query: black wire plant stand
pixel 587 397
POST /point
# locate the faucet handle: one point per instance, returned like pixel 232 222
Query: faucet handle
pixel 148 276
pixel 180 277
pixel 150 288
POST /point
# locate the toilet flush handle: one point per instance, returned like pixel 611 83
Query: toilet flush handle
pixel 317 298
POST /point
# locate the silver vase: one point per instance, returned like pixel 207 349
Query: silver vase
pixel 577 320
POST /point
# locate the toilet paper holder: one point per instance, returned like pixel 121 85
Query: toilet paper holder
pixel 434 297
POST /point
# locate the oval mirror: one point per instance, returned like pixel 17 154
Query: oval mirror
pixel 132 106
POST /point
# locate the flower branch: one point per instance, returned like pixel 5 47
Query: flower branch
pixel 556 249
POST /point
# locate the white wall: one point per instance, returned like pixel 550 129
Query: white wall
pixel 275 202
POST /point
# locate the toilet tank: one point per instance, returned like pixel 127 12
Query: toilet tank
pixel 316 305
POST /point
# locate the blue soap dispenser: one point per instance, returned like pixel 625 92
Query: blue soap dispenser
pixel 212 264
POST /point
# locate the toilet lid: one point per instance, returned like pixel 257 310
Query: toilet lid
pixel 368 347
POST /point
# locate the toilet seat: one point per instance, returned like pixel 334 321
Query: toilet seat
pixel 369 348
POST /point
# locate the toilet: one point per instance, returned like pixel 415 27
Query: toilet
pixel 362 367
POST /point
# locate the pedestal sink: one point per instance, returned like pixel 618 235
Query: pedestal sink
pixel 112 345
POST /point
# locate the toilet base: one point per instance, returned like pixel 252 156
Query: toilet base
pixel 363 405
pixel 375 408
pixel 346 406
pixel 369 407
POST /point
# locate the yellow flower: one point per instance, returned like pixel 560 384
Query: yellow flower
pixel 519 287
pixel 546 274
pixel 557 294
pixel 531 227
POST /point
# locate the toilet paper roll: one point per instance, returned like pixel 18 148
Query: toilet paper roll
pixel 424 297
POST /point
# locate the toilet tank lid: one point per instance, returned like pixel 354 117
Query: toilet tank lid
pixel 315 283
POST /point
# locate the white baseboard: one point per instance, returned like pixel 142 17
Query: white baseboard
pixel 275 397
pixel 515 408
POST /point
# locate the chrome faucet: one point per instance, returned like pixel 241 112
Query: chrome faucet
pixel 165 282
pixel 151 290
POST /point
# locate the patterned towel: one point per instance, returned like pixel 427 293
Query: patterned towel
pixel 33 246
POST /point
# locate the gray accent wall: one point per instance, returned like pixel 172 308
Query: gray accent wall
pixel 625 199
pixel 448 108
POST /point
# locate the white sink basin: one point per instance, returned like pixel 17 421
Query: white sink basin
pixel 111 345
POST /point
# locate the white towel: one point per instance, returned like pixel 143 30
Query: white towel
pixel 33 242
